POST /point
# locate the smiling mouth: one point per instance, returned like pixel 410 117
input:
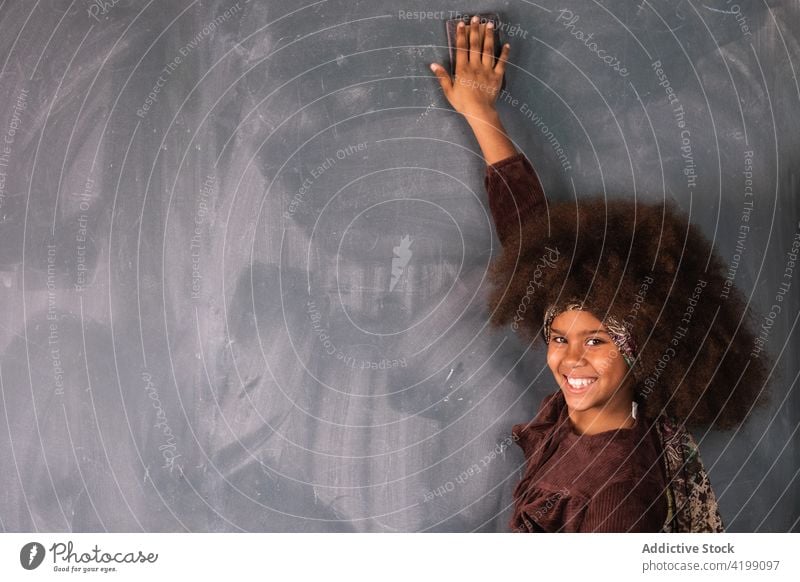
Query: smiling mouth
pixel 579 384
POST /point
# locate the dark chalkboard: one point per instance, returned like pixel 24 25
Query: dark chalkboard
pixel 243 249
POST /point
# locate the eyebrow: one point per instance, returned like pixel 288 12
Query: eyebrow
pixel 587 332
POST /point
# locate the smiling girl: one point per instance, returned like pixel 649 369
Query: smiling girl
pixel 644 336
pixel 594 381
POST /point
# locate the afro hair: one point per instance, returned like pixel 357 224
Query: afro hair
pixel 646 265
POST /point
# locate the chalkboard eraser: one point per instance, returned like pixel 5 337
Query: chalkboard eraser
pixel 451 25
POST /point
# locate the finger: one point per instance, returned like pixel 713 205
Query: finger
pixel 461 45
pixel 488 45
pixel 500 67
pixel 444 79
pixel 474 41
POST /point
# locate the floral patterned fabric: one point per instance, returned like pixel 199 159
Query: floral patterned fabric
pixel 692 505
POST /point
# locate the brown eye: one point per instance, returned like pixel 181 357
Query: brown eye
pixel 595 339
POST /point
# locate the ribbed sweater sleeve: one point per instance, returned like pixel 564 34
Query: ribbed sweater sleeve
pixel 514 193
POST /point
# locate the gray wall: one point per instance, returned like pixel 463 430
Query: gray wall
pixel 212 319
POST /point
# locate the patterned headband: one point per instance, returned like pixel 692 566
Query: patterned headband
pixel 620 334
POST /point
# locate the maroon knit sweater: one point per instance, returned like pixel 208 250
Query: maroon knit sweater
pixel 613 481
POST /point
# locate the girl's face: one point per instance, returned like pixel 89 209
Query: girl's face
pixel 589 370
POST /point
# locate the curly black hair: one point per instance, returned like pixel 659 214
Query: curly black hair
pixel 646 265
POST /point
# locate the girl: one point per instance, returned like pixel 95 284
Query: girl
pixel 644 336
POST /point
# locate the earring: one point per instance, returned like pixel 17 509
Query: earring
pixel 634 408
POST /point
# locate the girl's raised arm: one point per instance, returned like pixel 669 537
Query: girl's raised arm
pixel 512 185
pixel 475 87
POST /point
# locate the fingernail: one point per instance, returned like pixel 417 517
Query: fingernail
pixel 475 19
pixel 433 67
pixel 490 24
pixel 461 24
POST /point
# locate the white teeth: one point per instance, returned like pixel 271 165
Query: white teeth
pixel 580 382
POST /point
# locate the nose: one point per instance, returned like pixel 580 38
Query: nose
pixel 574 357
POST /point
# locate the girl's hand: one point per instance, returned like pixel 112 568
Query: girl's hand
pixel 476 84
